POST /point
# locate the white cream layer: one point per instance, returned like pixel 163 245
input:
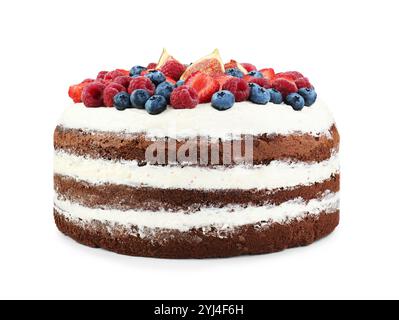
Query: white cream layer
pixel 242 118
pixel 222 218
pixel 278 174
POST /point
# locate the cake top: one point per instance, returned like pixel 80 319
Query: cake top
pixel 207 81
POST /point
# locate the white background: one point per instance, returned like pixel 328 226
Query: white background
pixel 349 49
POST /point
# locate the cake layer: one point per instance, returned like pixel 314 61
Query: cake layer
pixel 244 118
pixel 225 218
pixel 277 174
pixel 265 148
pixel 125 197
pixel 249 239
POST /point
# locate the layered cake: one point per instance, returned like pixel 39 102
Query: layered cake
pixel 204 160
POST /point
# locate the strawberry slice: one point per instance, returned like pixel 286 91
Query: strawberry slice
pixel 75 91
pixel 204 85
pixel 268 73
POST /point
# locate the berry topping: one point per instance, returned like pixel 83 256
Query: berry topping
pixel 211 65
pixel 75 91
pixel 295 100
pixel 184 97
pixel 101 75
pixel 285 86
pixel 303 83
pixel 123 80
pixel 156 76
pixel 170 80
pixel 152 65
pixel 113 74
pixel 309 95
pixel 234 72
pixel 258 94
pixel 179 83
pixel 290 75
pixel 222 79
pixel 165 89
pixel 110 91
pixel 141 83
pixel 204 85
pixel 138 98
pixel 173 69
pixel 248 66
pixel 156 104
pixel 263 82
pixel 92 95
pixel 235 65
pixel 136 71
pixel 222 100
pixel 275 96
pixel 267 73
pixel 238 87
pixel 255 74
pixel 122 101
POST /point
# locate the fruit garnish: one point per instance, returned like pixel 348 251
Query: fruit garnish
pixel 141 83
pixel 309 95
pixel 170 80
pixel 211 65
pixel 92 95
pixel 248 66
pixel 204 85
pixel 75 91
pixel 258 94
pixel 169 66
pixel 123 80
pixel 115 73
pixel 285 86
pixel 222 79
pixel 110 92
pixel 295 100
pixel 152 65
pixel 268 73
pixel 101 75
pixel 263 82
pixel 303 83
pixel 290 75
pixel 184 97
pixel 232 64
pixel 223 100
pixel 238 87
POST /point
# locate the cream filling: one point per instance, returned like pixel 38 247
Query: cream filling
pixel 221 218
pixel 278 174
pixel 243 118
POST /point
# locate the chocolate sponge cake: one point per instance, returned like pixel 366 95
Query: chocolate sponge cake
pixel 196 182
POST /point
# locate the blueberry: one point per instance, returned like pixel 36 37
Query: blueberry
pixel 275 96
pixel 179 83
pixel 138 98
pixel 165 89
pixel 295 101
pixel 258 94
pixel 156 77
pixel 136 71
pixel 234 72
pixel 255 74
pixel 222 100
pixel 156 104
pixel 122 101
pixel 309 95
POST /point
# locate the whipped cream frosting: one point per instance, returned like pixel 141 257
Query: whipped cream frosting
pixel 242 118
pixel 277 174
pixel 221 218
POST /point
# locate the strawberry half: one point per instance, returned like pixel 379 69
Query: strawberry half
pixel 75 91
pixel 268 73
pixel 204 85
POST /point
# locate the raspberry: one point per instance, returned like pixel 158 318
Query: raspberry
pixel 173 69
pixel 284 86
pixel 204 85
pixel 303 83
pixel 92 95
pixel 141 83
pixel 263 82
pixel 222 79
pixel 110 91
pixel 113 74
pixel 123 72
pixel 248 66
pixel 184 97
pixel 123 80
pixel 289 75
pixel 152 65
pixel 238 87
pixel 75 91
pixel 101 75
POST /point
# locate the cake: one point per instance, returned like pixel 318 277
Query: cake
pixel 207 160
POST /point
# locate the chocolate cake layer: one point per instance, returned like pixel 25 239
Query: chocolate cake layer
pixel 125 197
pixel 249 239
pixel 266 148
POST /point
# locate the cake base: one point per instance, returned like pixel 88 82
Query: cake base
pixel 250 239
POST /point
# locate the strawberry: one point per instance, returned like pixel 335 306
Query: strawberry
pixel 204 85
pixel 75 91
pixel 303 83
pixel 268 73
pixel 285 86
pixel 248 66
